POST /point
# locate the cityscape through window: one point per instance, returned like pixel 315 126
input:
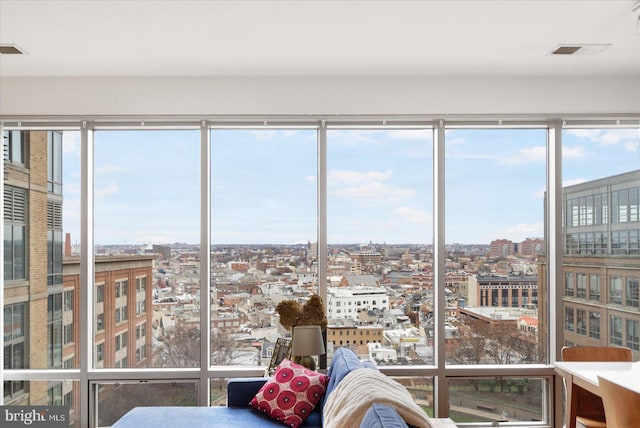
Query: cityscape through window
pixel 198 232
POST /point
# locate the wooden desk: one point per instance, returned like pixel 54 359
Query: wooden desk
pixel 584 375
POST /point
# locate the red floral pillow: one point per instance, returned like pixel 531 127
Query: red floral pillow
pixel 291 393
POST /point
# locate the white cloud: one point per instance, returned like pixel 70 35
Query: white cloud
pixel 411 134
pixel 264 135
pixel 607 137
pixel 354 137
pixel 525 155
pixel 71 143
pixel 589 134
pixel 454 149
pixel 466 155
pixel 611 138
pixel 108 189
pixel 632 146
pixel 311 178
pixel 413 215
pixel 368 188
pixel 107 169
pixel 522 231
pixel 375 193
pixel 71 190
pixel 573 152
pixel 71 216
pixel 337 177
pixel 534 154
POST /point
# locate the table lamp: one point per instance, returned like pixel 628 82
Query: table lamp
pixel 307 341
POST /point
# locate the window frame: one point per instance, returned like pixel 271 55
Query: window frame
pixel 439 126
pixel 632 291
pixel 594 326
pixel 15 220
pixel 11 345
pixel 615 290
pixel 10 146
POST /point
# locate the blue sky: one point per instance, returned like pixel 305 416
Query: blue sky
pixel 379 183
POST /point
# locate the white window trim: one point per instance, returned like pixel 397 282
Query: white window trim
pixel 88 376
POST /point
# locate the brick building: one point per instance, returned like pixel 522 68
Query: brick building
pixel 33 292
pixel 503 291
pixel 502 248
pixel 531 247
pixel 601 262
pixel 123 314
pixel 355 337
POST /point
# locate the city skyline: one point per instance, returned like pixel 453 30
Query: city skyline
pixel 378 184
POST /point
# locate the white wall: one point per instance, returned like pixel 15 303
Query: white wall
pixel 318 96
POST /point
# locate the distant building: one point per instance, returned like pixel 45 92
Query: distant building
pixel 359 281
pixel 531 247
pixel 35 302
pixel 365 261
pixel 457 282
pixel 508 318
pixel 266 264
pixel 364 257
pixel 376 352
pixel 503 291
pixel 303 278
pixel 163 250
pixel 122 311
pixel 502 248
pixel 239 266
pixel 528 324
pixel 355 337
pixel 347 302
pixel 227 320
pixel 422 280
pixel 601 262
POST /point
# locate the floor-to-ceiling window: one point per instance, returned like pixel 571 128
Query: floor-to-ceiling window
pixel 495 182
pixel 146 230
pixel 38 308
pixel 380 242
pixel 601 233
pixel 263 232
pixel 274 195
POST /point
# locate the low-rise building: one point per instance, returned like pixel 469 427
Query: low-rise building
pixel 503 291
pixel 348 302
pixel 356 337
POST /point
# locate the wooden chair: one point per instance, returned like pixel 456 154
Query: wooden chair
pixel 591 413
pixel 621 405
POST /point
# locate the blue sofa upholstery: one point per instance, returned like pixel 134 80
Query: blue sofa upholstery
pixel 238 413
pixel 382 416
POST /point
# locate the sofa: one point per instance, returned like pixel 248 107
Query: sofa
pixel 240 392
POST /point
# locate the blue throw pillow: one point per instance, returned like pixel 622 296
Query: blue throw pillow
pixel 382 416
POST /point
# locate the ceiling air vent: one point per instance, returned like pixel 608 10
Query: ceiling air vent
pixel 10 50
pixel 566 50
pixel 577 49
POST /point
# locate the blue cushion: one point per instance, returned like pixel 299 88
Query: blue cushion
pixel 203 417
pixel 369 365
pixel 382 416
pixel 240 390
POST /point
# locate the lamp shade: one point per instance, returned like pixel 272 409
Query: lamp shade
pixel 307 340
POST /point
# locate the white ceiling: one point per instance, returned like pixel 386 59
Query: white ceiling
pixel 318 38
